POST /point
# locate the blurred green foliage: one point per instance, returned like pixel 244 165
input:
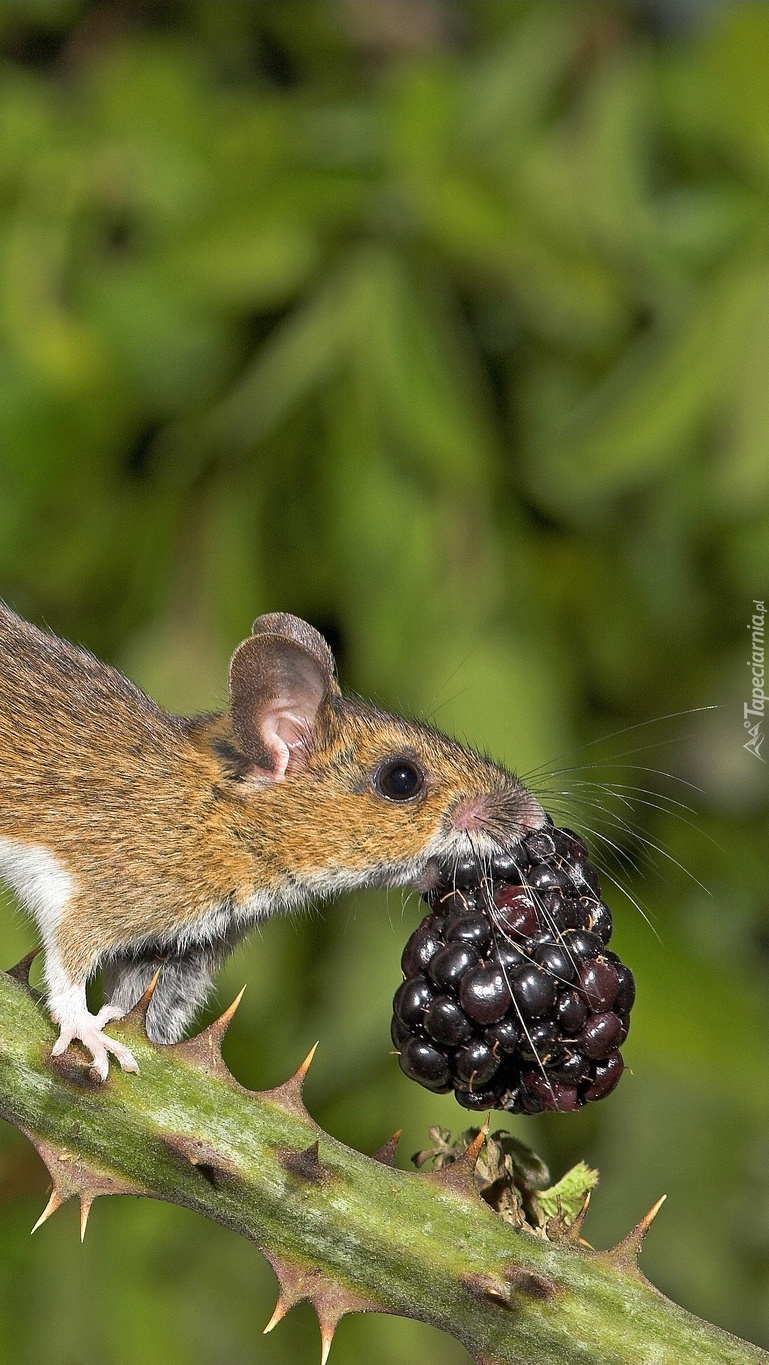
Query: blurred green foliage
pixel 446 326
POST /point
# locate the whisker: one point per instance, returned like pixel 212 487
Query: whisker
pixel 611 765
pixel 591 800
pixel 508 938
pixel 619 789
pixel 610 874
pixel 652 844
pixel 615 734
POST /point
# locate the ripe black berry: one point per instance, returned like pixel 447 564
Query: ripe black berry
pixel 600 1035
pixel 503 1036
pixel 541 1042
pixel 581 944
pixel 550 1094
pixel 474 929
pixel 455 903
pixel 511 957
pixel 599 920
pixel 465 873
pixel 475 1064
pixel 571 1068
pixel 511 997
pixel 514 911
pixel 554 957
pixel 625 997
pixel 597 983
pixel 450 964
pixel 570 847
pixel 544 878
pixel 587 878
pixel 445 1022
pixel 426 1064
pixel 484 994
pixel 505 867
pixel 421 947
pixel 477 1099
pixel 607 1075
pixel 411 1000
pixel 570 1012
pixel 534 992
pixel 541 846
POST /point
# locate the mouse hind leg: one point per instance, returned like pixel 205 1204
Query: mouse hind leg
pixel 48 892
pixel 183 985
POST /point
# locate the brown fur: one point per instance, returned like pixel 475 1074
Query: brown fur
pixel 158 818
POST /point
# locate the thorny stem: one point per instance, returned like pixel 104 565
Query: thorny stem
pixel 342 1230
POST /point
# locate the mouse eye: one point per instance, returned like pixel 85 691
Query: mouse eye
pixel 399 779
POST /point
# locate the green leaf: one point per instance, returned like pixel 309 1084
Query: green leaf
pixel 657 399
pixel 732 66
pixel 568 1194
pixel 305 352
pixel 740 479
pixel 426 379
pixel 510 85
pixel 568 296
pixel 247 262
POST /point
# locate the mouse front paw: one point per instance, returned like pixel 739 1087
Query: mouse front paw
pixel 88 1029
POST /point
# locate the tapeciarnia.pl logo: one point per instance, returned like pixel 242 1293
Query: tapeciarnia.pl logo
pixel 754 710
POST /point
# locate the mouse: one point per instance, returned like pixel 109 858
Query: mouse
pixel 142 841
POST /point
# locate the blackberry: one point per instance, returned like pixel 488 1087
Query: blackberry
pixel 510 996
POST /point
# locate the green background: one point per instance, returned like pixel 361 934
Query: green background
pixel 447 327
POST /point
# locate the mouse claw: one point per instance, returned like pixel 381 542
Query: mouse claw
pixel 107 1014
pixel 88 1030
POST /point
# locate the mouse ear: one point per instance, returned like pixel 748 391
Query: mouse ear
pixel 282 623
pixel 277 687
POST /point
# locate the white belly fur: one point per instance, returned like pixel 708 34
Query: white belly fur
pixel 45 888
pixel 41 883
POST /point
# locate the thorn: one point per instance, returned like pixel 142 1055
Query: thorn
pixel 306 1064
pixel 625 1254
pixel 205 1049
pixel 142 1005
pixel 306 1165
pixel 85 1209
pixel 55 1202
pixel 488 1289
pixel 459 1175
pixel 299 1283
pixel 648 1218
pixel 472 1153
pixel 386 1153
pixel 531 1283
pixel 138 1012
pixel 279 1312
pixel 20 972
pixel 573 1233
pixel 221 1024
pixel 288 1096
pixel 326 1337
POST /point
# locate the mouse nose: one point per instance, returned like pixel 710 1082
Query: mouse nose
pixel 513 810
pixel 471 814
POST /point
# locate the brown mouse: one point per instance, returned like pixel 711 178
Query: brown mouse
pixel 137 839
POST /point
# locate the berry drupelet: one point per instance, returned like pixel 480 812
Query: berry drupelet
pixel 510 995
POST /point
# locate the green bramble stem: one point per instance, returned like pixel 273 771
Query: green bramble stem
pixel 342 1230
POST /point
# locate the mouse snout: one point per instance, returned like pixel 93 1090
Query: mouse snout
pixel 506 814
pixel 471 814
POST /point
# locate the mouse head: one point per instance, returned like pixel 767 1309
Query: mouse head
pixel 351 795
